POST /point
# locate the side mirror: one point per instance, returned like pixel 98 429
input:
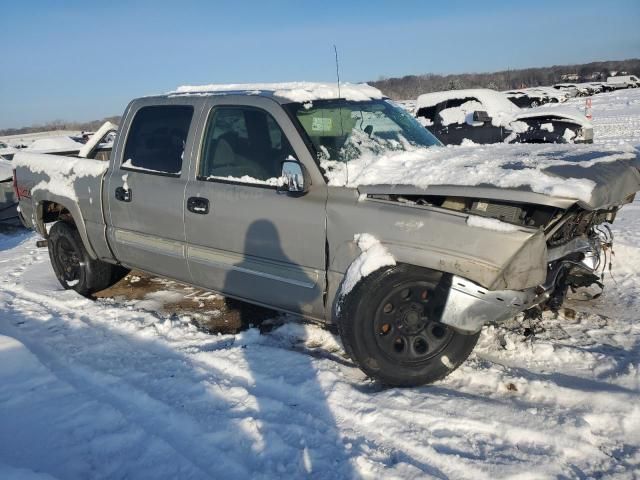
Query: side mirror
pixel 481 116
pixel 293 177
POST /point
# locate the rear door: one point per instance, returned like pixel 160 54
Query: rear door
pixel 145 190
pixel 244 238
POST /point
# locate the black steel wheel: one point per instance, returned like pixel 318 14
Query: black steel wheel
pixel 74 267
pixel 390 326
pixel 406 326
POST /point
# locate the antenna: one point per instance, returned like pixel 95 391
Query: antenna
pixel 335 49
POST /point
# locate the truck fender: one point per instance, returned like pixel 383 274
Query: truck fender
pixel 70 206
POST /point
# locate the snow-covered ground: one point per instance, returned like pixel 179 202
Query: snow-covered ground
pixel 106 389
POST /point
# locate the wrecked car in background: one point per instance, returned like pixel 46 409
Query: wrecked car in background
pixel 98 146
pixel 486 116
pixel 8 200
pixel 333 203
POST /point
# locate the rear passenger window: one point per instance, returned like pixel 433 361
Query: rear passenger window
pixel 157 139
pixel 243 144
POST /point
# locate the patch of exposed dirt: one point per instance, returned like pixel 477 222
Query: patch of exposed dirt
pixel 210 311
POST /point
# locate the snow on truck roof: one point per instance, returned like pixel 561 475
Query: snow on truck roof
pixel 291 91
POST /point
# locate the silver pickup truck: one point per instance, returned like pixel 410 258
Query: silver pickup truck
pixel 334 204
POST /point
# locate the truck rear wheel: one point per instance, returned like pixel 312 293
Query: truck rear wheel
pixel 389 325
pixel 73 266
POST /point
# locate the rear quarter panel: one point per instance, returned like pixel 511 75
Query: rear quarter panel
pixel 75 183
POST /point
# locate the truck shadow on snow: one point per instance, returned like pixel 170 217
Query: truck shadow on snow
pixel 300 375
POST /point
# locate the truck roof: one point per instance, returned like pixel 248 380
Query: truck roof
pixel 289 92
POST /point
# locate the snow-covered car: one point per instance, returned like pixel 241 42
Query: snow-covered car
pixel 6 151
pixel 554 95
pixel 571 89
pixel 486 116
pixel 527 98
pixel 333 203
pixel 8 200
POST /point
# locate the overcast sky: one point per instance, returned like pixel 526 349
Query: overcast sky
pixel 83 60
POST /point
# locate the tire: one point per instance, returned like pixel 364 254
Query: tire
pixel 73 266
pixel 379 311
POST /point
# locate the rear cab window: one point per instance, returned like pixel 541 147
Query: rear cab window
pixel 244 145
pixel 157 139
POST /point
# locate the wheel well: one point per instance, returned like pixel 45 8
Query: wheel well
pixel 53 212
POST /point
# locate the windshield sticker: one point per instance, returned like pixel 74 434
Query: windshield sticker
pixel 320 124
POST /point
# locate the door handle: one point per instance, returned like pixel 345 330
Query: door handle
pixel 198 205
pixel 122 194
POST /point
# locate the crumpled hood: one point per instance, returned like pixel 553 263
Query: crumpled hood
pixel 593 176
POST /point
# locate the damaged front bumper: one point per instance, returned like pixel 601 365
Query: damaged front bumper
pixel 470 306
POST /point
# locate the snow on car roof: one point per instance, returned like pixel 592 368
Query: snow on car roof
pixel 492 100
pixel 54 144
pixel 292 91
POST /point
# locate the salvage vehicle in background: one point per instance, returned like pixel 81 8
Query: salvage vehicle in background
pixel 335 204
pixel 486 116
pixel 8 200
pixel 527 98
pixel 572 89
pixel 98 147
pixel 623 81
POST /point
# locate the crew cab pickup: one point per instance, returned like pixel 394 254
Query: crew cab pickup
pixel 332 203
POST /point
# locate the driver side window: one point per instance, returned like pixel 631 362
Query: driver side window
pixel 243 144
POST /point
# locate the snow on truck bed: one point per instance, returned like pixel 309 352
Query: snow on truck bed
pixel 104 389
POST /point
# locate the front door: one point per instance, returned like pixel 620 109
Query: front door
pixel 145 191
pixel 244 237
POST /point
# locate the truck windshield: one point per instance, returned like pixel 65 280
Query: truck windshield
pixel 343 131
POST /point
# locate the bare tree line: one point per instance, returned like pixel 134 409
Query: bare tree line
pixel 410 86
pixel 60 125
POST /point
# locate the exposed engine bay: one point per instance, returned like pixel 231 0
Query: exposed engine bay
pixel 579 242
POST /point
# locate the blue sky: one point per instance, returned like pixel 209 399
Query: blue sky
pixel 82 60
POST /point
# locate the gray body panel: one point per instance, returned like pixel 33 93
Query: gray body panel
pixel 256 242
pixel 291 252
pixel 148 231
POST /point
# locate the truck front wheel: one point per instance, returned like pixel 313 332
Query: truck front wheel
pixel 73 266
pixel 389 325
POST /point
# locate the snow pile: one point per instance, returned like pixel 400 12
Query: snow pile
pixel 374 256
pixel 506 166
pixel 62 171
pixel 461 114
pixel 293 91
pixel 54 144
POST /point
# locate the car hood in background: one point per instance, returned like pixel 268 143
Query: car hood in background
pixel 561 111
